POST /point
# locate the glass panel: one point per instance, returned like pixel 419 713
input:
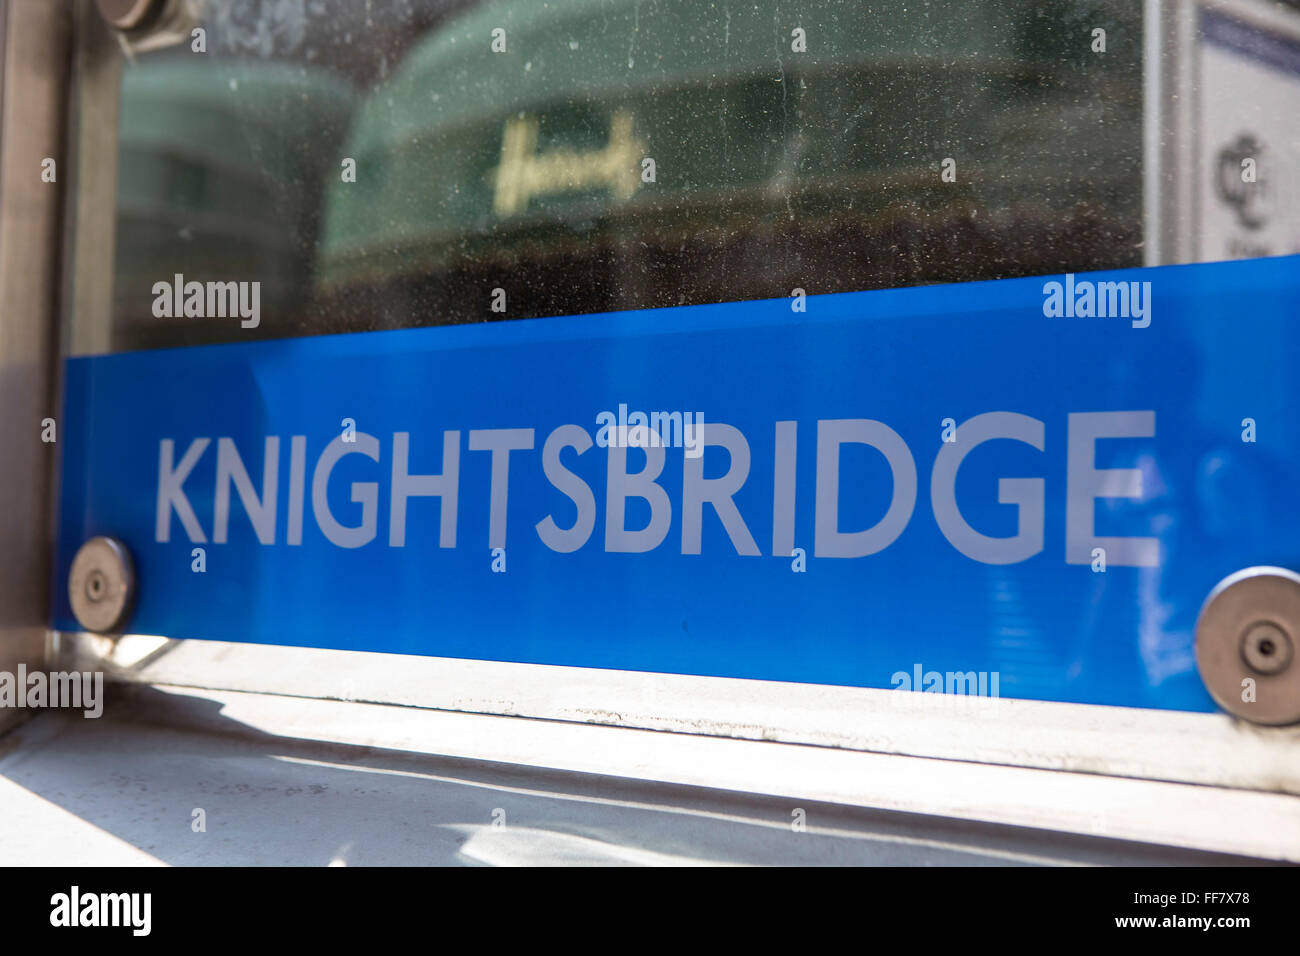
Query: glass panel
pixel 602 155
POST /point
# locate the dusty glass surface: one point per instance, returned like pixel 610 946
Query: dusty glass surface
pixel 600 155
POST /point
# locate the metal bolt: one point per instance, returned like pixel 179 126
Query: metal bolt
pixel 1266 647
pixel 101 585
pixel 1244 649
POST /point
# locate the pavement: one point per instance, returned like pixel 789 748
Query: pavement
pixel 173 776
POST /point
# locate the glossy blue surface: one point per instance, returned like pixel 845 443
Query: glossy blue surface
pixel 1222 346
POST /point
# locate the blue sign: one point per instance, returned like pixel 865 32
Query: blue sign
pixel 1031 483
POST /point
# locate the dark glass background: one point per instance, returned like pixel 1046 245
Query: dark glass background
pixel 775 170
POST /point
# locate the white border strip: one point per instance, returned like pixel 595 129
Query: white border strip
pixel 1212 749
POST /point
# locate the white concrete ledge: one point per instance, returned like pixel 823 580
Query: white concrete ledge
pixel 295 780
pixel 1210 749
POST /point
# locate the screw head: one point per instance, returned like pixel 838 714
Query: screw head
pixel 1245 651
pixel 1266 647
pixel 101 585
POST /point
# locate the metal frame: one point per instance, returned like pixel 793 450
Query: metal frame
pixel 1170 62
pixel 36 54
pixel 1171 124
pixel 90 227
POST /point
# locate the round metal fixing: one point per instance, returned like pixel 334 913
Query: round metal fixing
pixel 1246 642
pixel 1266 648
pixel 129 15
pixel 101 585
